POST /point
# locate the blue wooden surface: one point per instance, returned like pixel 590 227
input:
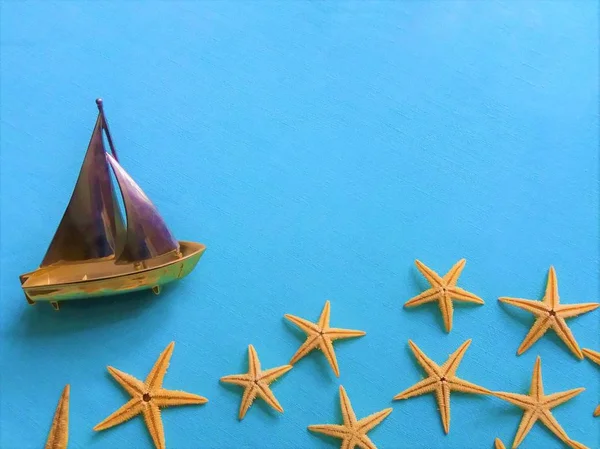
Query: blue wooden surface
pixel 317 148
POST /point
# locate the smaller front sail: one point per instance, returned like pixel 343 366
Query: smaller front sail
pixel 147 233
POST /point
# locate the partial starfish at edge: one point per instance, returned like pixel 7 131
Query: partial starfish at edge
pixel 443 290
pixel 550 314
pixel 594 356
pixel 499 444
pixel 537 406
pixel 321 336
pixel 256 383
pixel 148 397
pixel 59 433
pixel 441 380
pixel 352 432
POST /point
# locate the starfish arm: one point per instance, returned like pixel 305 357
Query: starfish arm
pixel 335 333
pixel 427 296
pixel 132 385
pixel 253 362
pixel 126 412
pixel 535 307
pixel 520 400
pixel 498 444
pixel 552 400
pixel 461 294
pixel 332 430
pixel 364 442
pixel 325 315
pixel 371 421
pixel 539 328
pixel 270 375
pixel 597 411
pixel 155 425
pixel 422 387
pixel 247 399
pixel 303 324
pixel 572 310
pixel 451 277
pixel 564 333
pixel 536 390
pixel 430 367
pixel 442 395
pixel 551 295
pixel 576 445
pixel 551 423
pixel 449 368
pixel 167 398
pixel 349 442
pixel 267 395
pixel 463 386
pixel 237 379
pixel 432 277
pixel 156 376
pixel 327 348
pixel 311 343
pixel 59 432
pixel 447 310
pixel 594 356
pixel 347 411
pixel 527 422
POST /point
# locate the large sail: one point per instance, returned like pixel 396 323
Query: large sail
pixel 147 233
pixel 92 223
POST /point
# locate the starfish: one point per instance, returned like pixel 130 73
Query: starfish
pixel 594 356
pixel 443 290
pixel 441 380
pixel 59 433
pixel 537 406
pixel 499 444
pixel 550 314
pixel 256 383
pixel 321 336
pixel 148 397
pixel 353 432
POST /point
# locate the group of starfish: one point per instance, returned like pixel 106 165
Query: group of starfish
pixel 149 396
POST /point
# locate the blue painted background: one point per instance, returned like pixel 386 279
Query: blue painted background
pixel 317 149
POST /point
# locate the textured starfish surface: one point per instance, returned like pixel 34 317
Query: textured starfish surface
pixel 499 444
pixel 594 356
pixel 59 433
pixel 537 406
pixel 550 314
pixel 441 380
pixel 352 432
pixel 148 397
pixel 443 290
pixel 256 383
pixel 321 336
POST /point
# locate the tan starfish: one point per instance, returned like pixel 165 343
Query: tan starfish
pixel 537 406
pixel 59 433
pixel 499 444
pixel 353 432
pixel 443 290
pixel 441 380
pixel 594 356
pixel 321 336
pixel 148 398
pixel 256 383
pixel 550 314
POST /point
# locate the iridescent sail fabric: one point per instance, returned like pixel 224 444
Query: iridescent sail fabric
pixel 92 224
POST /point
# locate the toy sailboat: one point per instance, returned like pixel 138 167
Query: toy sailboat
pixel 93 252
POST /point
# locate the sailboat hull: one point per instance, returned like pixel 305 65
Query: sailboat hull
pixel 67 281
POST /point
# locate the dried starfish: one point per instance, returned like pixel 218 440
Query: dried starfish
pixel 498 443
pixel 550 314
pixel 594 356
pixel 443 290
pixel 353 432
pixel 537 406
pixel 256 383
pixel 320 335
pixel 148 397
pixel 442 380
pixel 59 433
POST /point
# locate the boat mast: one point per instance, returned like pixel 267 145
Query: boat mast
pixel 100 105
